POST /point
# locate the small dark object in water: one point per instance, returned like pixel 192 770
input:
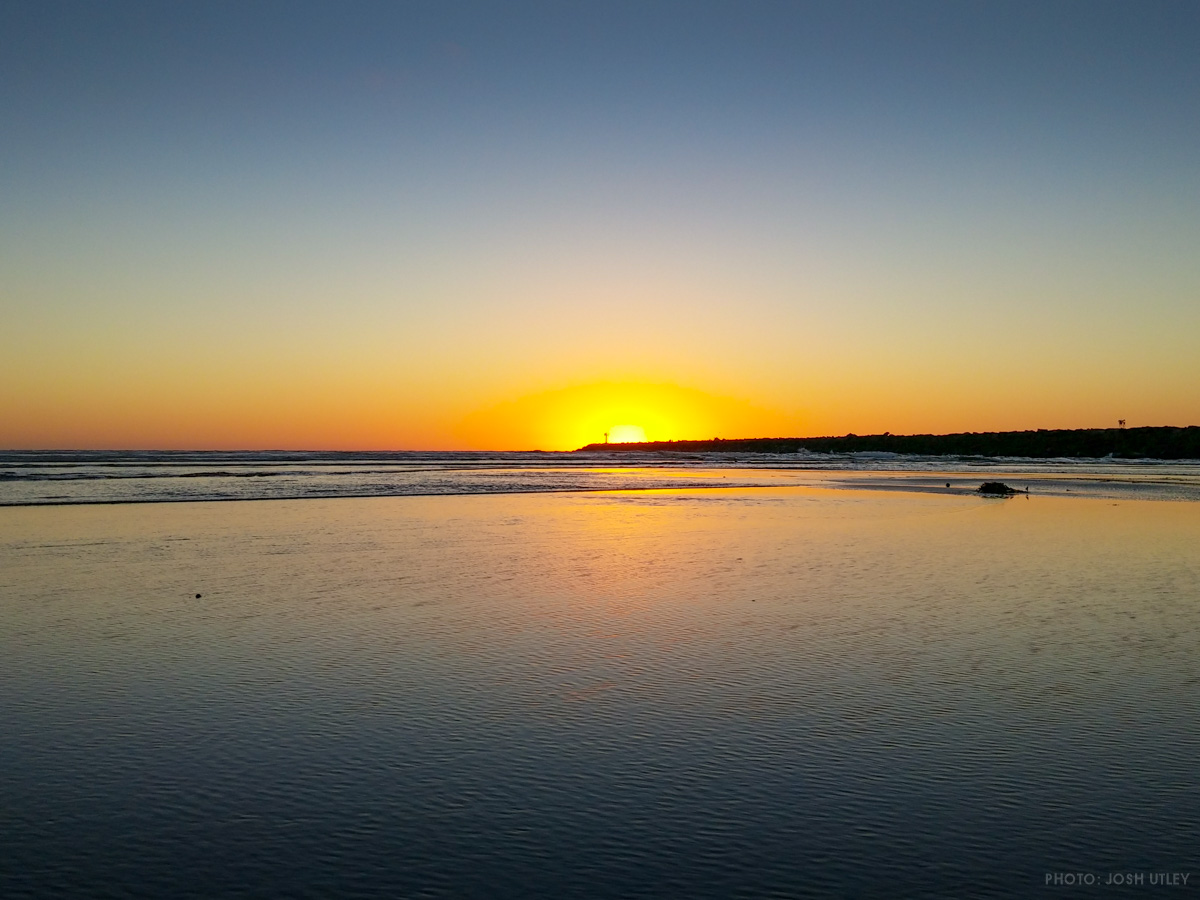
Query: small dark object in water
pixel 947 484
pixel 197 596
pixel 997 488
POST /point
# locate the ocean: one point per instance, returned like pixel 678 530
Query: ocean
pixel 527 675
pixel 71 477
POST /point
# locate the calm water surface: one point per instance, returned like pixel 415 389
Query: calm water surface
pixel 70 477
pixel 703 693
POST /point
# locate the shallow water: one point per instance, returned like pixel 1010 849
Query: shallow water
pixel 68 477
pixel 767 692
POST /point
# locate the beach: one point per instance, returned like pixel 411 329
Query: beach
pixel 599 450
pixel 769 691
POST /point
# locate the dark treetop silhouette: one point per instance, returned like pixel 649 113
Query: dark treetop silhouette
pixel 1164 442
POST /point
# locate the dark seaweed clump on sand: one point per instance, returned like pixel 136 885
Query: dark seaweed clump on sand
pixel 997 489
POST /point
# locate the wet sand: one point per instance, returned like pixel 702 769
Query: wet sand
pixel 706 693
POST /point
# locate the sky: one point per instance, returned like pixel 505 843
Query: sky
pixel 410 225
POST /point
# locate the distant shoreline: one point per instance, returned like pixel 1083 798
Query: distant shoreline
pixel 1158 442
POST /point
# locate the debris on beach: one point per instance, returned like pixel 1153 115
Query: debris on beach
pixel 997 489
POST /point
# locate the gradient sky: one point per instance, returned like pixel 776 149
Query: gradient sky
pixel 515 225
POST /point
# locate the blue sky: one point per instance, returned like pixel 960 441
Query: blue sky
pixel 827 210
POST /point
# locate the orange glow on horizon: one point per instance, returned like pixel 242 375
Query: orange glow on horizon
pixel 627 434
pixel 576 416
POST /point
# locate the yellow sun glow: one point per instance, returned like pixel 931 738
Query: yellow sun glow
pixel 627 434
pixel 571 417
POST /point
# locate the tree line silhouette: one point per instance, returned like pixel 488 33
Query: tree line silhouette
pixel 1161 442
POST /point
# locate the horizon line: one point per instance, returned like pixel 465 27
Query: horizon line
pixel 851 434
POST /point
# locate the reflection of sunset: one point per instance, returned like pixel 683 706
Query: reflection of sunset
pixel 573 417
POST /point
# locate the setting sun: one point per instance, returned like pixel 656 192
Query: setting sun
pixel 571 417
pixel 627 434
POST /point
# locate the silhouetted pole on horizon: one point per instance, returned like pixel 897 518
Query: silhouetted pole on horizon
pixel 606 437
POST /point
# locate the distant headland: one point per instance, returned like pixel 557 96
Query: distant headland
pixel 1164 442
